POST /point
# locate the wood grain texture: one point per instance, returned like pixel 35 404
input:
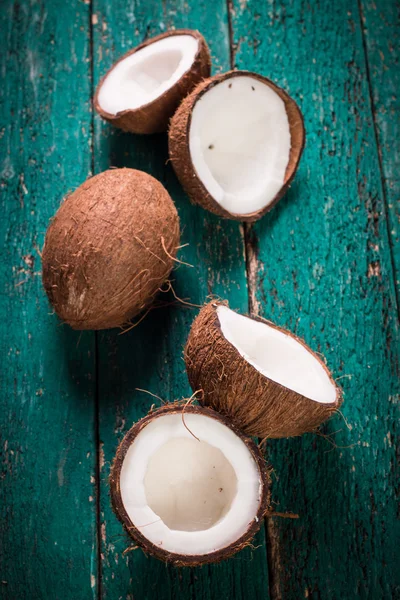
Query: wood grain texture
pixel 150 356
pixel 320 264
pixel 47 439
pixel 381 24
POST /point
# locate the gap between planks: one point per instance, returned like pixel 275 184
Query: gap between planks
pixel 98 585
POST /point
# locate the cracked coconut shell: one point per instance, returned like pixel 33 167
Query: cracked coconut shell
pixel 137 533
pixel 231 385
pixel 154 116
pixel 182 160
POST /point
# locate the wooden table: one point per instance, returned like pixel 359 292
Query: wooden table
pixel 325 263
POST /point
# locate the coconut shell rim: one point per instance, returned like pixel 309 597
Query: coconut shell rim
pixel 212 82
pixel 189 560
pixel 202 45
pixel 339 392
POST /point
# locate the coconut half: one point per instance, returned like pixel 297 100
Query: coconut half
pixel 235 143
pixel 141 91
pixel 188 486
pixel 265 378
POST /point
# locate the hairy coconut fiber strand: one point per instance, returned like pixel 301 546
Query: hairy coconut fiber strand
pixel 234 387
pixel 109 248
pixel 154 117
pixel 139 533
pixel 182 160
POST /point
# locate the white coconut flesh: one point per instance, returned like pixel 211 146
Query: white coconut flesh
pixel 190 496
pixel 239 142
pixel 277 355
pixel 146 74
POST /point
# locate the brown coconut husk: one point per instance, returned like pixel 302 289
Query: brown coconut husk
pixel 156 551
pixel 180 154
pixel 109 248
pixel 257 405
pixel 154 117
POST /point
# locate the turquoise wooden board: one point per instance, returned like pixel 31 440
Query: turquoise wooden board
pixel 322 263
pixel 381 24
pixel 47 416
pixel 150 357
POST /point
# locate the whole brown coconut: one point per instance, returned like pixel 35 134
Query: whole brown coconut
pixel 196 476
pixel 267 380
pixel 223 143
pixel 109 248
pixel 153 116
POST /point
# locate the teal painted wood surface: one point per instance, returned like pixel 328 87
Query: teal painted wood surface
pixel 48 542
pixel 151 356
pixel 322 263
pixel 381 24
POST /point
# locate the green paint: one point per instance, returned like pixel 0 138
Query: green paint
pixel 47 435
pixel 321 265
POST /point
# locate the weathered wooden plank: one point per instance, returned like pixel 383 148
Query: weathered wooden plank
pixel 320 264
pixel 150 356
pixel 381 23
pixel 47 491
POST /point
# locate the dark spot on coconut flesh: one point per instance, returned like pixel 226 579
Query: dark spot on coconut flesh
pixel 211 146
pixel 230 85
pixel 253 88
